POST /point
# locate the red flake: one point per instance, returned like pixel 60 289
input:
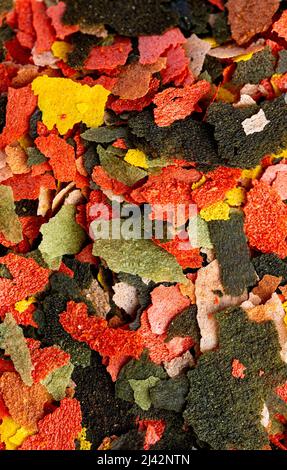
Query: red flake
pixel 21 104
pixel 67 71
pixel 65 270
pixel 176 64
pixel 107 82
pixel 46 360
pixel 86 255
pixel 28 187
pixel 57 430
pixel 28 279
pixel 7 72
pixel 95 332
pixel 102 179
pixel 282 392
pixel 26 33
pixel 178 103
pixel 25 318
pixel 115 364
pixel 119 106
pixel 16 52
pixel 280 26
pixel 171 186
pixel 6 366
pixel 238 369
pixel 152 47
pixel 42 24
pixel 214 189
pixel 61 155
pixel 3 410
pixel 154 431
pixel 56 12
pixel 266 220
pixel 159 350
pixel 31 226
pixel 81 181
pixel 109 57
pixel 167 303
pixel 182 250
pixel 120 144
pixel 41 168
pixel 218 3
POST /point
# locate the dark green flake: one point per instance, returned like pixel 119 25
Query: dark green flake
pixel 230 244
pixel 260 66
pixel 225 411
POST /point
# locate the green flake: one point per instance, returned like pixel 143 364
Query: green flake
pixel 225 411
pixel 119 169
pixel 141 390
pixel 104 135
pixel 61 236
pixel 138 370
pixel 198 233
pixel 58 380
pixel 260 66
pixel 141 257
pixel 170 394
pixel 184 324
pixel 10 225
pixel 282 62
pixel 231 249
pixel 35 157
pixel 269 263
pixel 13 342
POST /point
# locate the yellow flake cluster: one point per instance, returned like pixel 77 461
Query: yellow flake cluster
pixel 82 438
pixel 65 103
pixel 235 197
pixel 252 173
pixel 22 305
pixel 12 434
pixel 136 158
pixel 218 211
pixel 61 50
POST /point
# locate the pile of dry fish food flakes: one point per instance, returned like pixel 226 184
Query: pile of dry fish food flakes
pixel 143 225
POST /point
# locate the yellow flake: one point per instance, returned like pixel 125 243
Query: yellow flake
pixel 198 183
pixel 282 154
pixel 235 197
pixel 277 91
pixel 82 438
pixel 212 42
pixel 218 211
pixel 59 98
pixel 252 173
pixel 136 158
pixel 61 49
pixel 22 305
pixel 285 308
pixel 223 94
pixel 12 434
pixel 243 57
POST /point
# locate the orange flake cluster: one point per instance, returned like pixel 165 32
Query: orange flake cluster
pixel 57 430
pixel 173 104
pixel 266 220
pixel 95 332
pixel 61 156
